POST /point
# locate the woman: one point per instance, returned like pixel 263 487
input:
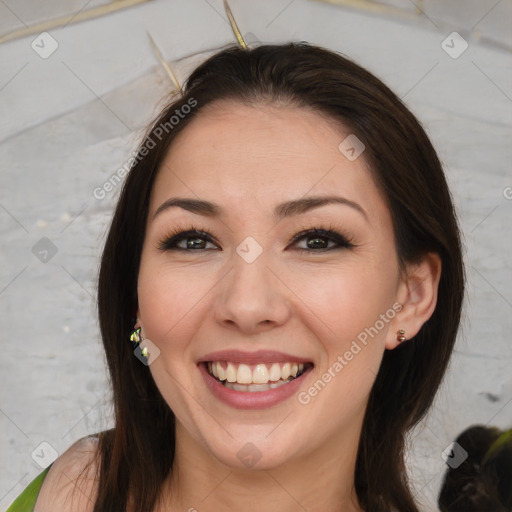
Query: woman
pixel 284 263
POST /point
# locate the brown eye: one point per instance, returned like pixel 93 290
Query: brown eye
pixel 318 240
pixel 195 240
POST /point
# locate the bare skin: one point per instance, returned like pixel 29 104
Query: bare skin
pixel 313 304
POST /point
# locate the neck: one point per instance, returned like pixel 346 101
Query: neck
pixel 320 480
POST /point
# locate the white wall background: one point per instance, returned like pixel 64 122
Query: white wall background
pixel 71 120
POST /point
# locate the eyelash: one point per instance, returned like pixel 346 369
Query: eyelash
pixel 170 241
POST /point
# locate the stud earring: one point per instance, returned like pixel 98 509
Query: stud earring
pixel 400 336
pixel 136 338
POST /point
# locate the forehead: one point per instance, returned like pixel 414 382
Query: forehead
pixel 255 156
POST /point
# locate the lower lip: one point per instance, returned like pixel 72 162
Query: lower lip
pixel 251 400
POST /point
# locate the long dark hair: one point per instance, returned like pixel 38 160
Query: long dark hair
pixel 137 455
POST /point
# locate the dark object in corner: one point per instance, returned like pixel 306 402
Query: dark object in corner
pixel 483 482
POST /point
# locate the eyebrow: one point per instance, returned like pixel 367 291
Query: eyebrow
pixel 286 209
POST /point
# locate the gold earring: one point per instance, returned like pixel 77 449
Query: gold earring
pixel 136 339
pixel 400 336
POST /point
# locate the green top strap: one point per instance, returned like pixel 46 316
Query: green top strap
pixel 26 501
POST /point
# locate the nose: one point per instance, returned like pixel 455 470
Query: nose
pixel 252 297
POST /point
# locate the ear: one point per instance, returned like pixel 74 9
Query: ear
pixel 137 321
pixel 417 293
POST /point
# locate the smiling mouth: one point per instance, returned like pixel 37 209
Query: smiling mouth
pixel 255 377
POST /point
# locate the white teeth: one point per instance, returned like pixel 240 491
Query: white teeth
pixel 260 374
pixel 251 388
pixel 230 372
pixel 244 375
pixel 275 372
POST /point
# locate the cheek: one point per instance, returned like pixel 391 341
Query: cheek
pixel 169 300
pixel 353 310
pixel 347 300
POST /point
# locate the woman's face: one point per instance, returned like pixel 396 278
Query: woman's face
pixel 327 304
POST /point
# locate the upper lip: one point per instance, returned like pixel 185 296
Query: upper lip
pixel 260 356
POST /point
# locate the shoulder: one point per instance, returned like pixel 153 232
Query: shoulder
pixel 71 482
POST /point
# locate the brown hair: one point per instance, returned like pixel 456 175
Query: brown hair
pixel 405 166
